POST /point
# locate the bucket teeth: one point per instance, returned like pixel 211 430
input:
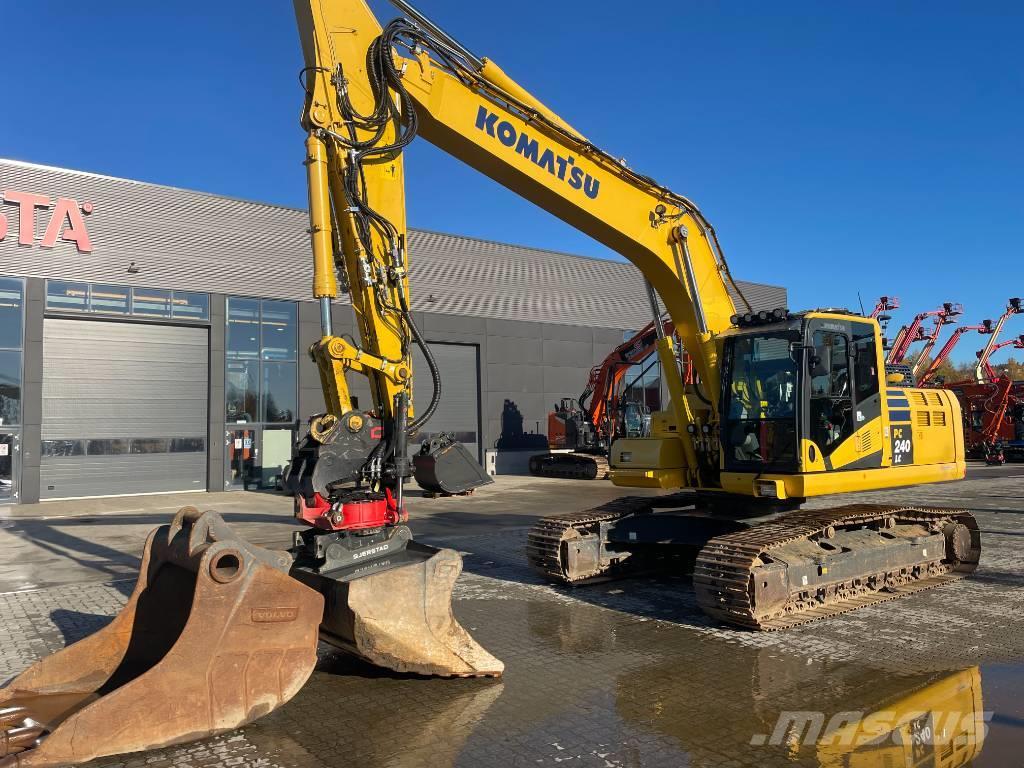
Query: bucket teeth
pixel 218 633
pixel 11 716
pixel 215 635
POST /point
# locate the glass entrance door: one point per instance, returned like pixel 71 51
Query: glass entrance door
pixel 242 465
pixel 8 467
pixel 256 457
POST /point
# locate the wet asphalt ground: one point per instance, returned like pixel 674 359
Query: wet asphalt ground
pixel 626 673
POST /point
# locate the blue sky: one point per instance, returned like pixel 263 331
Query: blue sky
pixel 837 147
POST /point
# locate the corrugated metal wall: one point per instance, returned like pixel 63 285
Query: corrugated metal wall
pixel 193 241
pixel 458 411
pixel 124 408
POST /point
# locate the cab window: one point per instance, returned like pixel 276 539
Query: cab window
pixel 865 363
pixel 760 379
pixel 831 405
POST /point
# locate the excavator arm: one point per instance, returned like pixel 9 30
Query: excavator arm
pixel 413 79
pixel 588 425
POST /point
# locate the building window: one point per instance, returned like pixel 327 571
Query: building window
pixel 192 306
pixel 110 299
pixel 242 390
pixel 278 393
pixel 243 342
pixel 278 330
pixel 147 302
pixel 261 371
pixel 65 296
pixel 12 327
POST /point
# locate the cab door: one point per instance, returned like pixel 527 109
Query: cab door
pixel 843 426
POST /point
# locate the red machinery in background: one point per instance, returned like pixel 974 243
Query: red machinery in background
pixel 587 425
pixel 985 355
pixel 928 378
pixel 914 332
pixel 885 304
pixel 883 307
pixel 990 407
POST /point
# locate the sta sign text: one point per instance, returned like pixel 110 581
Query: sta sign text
pixel 66 220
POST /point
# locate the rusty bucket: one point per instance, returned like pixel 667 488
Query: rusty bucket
pixel 215 635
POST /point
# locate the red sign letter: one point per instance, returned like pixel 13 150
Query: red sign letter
pixel 27 204
pixel 67 208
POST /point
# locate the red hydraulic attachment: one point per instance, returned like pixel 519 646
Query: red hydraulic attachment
pixel 913 332
pixel 360 515
pixel 944 353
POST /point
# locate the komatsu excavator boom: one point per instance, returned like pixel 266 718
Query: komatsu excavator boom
pixel 783 406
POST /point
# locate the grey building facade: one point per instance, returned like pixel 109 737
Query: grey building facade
pixel 153 339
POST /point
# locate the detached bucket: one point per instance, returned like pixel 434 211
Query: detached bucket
pixel 445 466
pixel 215 635
pixel 396 612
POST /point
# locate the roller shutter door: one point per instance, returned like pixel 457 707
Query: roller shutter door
pixel 459 409
pixel 124 408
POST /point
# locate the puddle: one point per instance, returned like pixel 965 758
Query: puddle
pixel 588 687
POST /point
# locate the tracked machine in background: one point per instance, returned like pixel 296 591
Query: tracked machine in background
pixel 581 431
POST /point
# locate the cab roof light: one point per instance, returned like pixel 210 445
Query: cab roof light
pixel 762 317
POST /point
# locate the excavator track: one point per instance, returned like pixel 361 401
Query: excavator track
pixel 727 565
pixel 544 542
pixel 570 466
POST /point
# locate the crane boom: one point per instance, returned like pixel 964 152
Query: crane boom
pixel 1013 307
pixel 947 349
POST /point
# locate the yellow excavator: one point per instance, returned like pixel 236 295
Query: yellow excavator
pixel 785 406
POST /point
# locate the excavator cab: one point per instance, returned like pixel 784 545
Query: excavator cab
pixel 796 390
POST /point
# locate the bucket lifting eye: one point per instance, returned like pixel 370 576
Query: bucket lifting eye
pixel 225 566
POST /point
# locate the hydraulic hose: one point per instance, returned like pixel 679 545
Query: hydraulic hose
pixel 435 375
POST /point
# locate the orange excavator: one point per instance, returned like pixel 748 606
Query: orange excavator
pixel 587 425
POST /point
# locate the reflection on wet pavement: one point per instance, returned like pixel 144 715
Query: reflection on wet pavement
pixel 632 674
pixel 589 687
